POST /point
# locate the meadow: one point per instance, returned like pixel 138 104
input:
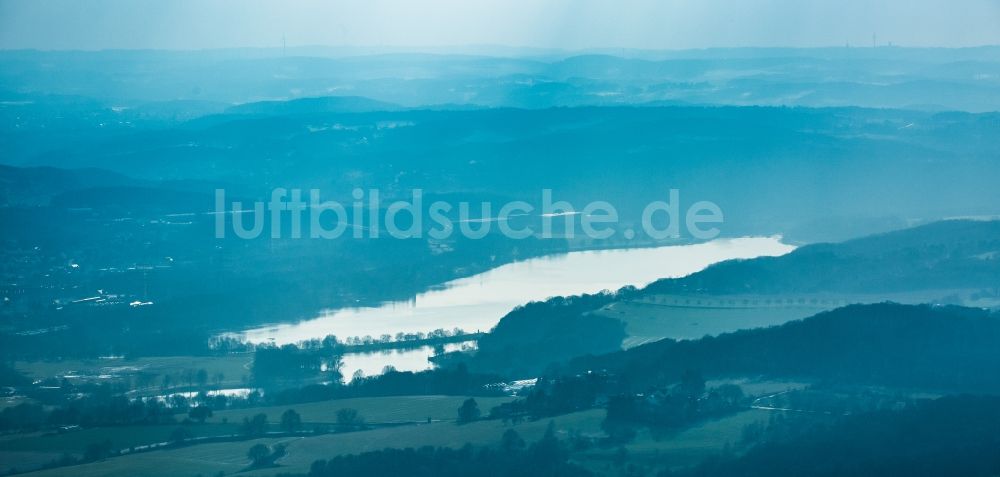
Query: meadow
pixel 228 457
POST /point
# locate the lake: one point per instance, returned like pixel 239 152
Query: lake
pixel 412 359
pixel 477 303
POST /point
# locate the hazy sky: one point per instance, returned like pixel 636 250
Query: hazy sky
pixel 651 24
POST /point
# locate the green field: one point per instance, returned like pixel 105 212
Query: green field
pixel 11 461
pixel 676 449
pixel 208 459
pixel 205 459
pixel 123 437
pixel 28 451
pixel 303 452
pixel 36 449
pixel 647 322
pixel 654 450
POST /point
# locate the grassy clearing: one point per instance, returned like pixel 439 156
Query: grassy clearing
pixel 304 452
pixel 15 460
pixel 205 459
pixel 655 450
pixel 35 449
pixel 691 317
pixel 208 459
pixel 647 322
pixel 397 409
pixel 676 449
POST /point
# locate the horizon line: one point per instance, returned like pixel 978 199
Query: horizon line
pixel 541 49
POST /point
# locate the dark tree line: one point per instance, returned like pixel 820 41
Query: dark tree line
pixel 450 381
pixel 289 365
pixel 559 395
pixel 675 407
pixel 547 457
pixel 90 411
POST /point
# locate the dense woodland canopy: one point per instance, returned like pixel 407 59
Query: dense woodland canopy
pixel 939 258
pixel 916 346
pixel 948 436
pixel 946 255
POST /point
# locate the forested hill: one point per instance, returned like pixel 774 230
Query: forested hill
pixel 959 258
pixel 954 435
pixel 949 254
pixel 928 347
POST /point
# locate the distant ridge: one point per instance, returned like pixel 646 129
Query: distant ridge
pixel 323 104
pixel 940 255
